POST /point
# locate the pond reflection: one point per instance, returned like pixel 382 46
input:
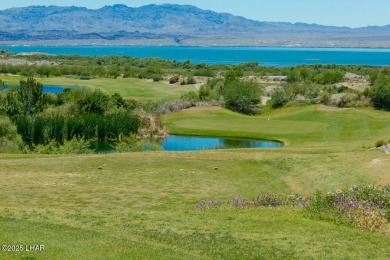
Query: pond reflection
pixel 193 143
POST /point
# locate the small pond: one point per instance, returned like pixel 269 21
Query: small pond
pixel 51 89
pixel 194 143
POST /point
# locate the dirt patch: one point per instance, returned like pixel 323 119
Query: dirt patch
pixel 24 62
pixel 331 109
pixel 264 100
pixel 204 108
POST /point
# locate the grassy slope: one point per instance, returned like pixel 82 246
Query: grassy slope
pixel 141 204
pixel 128 88
pixel 297 126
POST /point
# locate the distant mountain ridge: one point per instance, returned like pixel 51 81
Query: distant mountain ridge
pixel 171 24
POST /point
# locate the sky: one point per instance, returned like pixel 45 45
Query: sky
pixel 351 13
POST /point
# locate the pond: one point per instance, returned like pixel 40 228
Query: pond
pixel 195 143
pixel 51 89
pixel 188 143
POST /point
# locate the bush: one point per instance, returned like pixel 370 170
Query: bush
pixel 92 102
pixel 205 72
pixel 233 75
pixel 348 100
pixel 379 143
pixel 190 80
pixel 173 79
pixel 204 92
pixel 74 146
pixel 242 96
pixel 10 141
pixel 329 77
pixel 325 98
pixel 279 98
pixel 157 77
pixel 174 106
pixel 380 93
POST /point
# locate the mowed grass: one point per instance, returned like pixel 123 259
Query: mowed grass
pixel 305 126
pixel 141 205
pixel 138 89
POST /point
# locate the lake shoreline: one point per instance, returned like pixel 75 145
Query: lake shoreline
pixel 265 56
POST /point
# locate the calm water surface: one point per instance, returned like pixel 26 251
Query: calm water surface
pixel 51 89
pixel 228 55
pixel 193 143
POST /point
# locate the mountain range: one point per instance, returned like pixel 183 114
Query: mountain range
pixel 170 24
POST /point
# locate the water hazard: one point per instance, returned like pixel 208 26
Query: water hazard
pixel 195 143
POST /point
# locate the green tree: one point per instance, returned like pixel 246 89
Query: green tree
pixel 293 76
pixel 31 95
pixel 10 141
pixel 242 96
pixel 380 93
pixel 233 75
pixel 279 98
pixel 329 77
pixel 204 92
pixel 13 104
pixel 92 102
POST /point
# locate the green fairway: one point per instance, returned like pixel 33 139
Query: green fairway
pixel 306 126
pixel 141 205
pixel 128 88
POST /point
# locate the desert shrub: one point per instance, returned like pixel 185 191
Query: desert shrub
pixel 205 72
pixel 204 92
pixel 174 105
pixel 379 143
pixel 174 79
pixel 191 80
pixel 293 76
pixel 157 77
pixel 380 93
pixel 365 92
pixel 329 77
pixel 348 100
pixel 190 96
pixel 233 75
pixel 325 98
pixel 242 96
pixel 279 98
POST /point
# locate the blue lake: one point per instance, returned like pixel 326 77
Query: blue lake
pixel 194 143
pixel 228 55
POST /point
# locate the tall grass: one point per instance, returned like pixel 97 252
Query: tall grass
pixel 41 129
